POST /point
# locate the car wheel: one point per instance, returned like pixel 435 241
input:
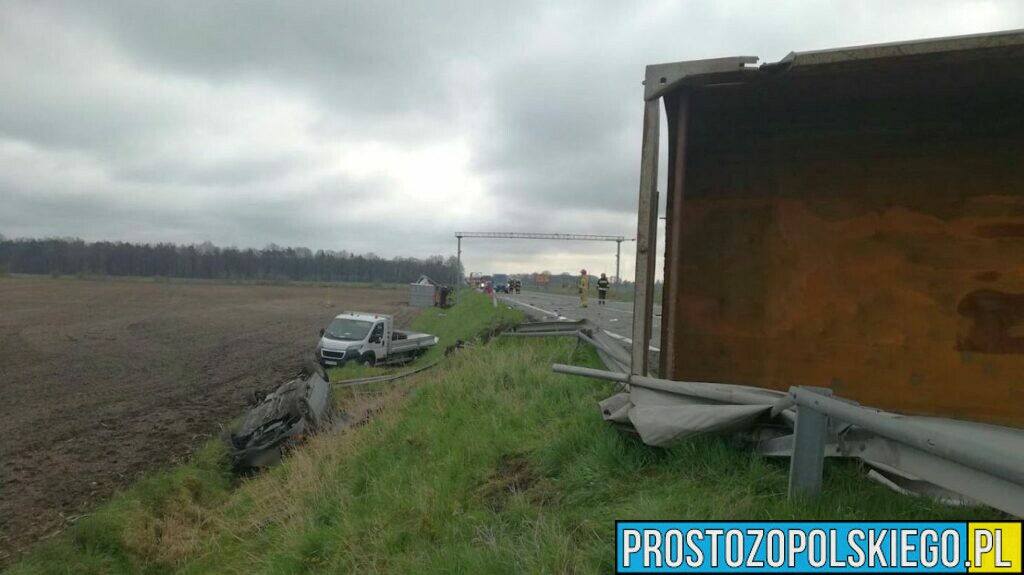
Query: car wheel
pixel 368 358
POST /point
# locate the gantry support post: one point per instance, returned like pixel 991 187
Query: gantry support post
pixel 618 257
pixel 459 280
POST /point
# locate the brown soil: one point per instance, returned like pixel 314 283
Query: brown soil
pixel 514 475
pixel 104 381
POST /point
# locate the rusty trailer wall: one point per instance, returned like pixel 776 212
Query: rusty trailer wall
pixel 854 221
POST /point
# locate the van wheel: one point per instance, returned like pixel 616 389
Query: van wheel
pixel 368 358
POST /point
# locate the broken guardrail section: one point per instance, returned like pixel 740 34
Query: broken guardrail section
pixel 955 461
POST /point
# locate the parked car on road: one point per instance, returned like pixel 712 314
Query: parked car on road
pixel 500 283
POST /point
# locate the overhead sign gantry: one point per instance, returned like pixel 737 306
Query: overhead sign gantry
pixel 536 236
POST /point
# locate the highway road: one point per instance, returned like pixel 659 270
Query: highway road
pixel 615 317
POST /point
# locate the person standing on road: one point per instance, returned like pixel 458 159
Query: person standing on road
pixel 584 286
pixel 602 289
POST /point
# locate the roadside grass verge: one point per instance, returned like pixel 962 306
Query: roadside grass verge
pixel 487 463
pixel 473 316
pixel 495 464
pixel 159 517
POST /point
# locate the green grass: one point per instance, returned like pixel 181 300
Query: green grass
pixel 147 519
pixel 487 463
pixel 474 315
pixel 170 509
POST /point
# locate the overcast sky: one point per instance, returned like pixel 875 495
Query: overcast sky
pixel 373 126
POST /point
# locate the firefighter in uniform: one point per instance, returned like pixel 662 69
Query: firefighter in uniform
pixel 602 289
pixel 584 286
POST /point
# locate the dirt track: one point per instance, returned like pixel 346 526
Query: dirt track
pixel 104 381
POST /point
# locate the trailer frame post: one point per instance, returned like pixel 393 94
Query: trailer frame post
pixel 646 238
pixel 810 434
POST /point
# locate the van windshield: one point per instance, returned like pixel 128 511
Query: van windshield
pixel 346 329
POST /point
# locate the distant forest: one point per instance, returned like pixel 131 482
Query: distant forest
pixel 72 256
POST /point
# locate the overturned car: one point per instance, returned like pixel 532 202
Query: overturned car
pixel 295 410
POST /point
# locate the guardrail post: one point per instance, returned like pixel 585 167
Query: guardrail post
pixel 808 460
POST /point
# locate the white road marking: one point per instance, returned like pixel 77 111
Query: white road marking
pixel 615 309
pixel 561 317
pixel 627 340
pixel 533 307
pixel 605 307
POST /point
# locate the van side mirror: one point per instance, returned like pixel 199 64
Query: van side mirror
pixel 321 332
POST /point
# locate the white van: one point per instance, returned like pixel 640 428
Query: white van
pixel 369 338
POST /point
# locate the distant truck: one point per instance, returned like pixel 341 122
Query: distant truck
pixel 500 283
pixel 369 338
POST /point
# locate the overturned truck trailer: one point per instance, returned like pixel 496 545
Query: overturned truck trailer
pixel 852 220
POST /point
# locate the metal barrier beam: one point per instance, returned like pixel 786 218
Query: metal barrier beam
pixel 720 392
pixel 961 448
pixel 978 485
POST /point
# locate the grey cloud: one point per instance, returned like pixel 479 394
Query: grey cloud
pixel 377 58
pixel 226 121
pixel 191 171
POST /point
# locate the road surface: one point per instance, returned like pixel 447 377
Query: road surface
pixel 615 317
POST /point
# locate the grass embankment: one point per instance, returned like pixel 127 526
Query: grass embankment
pixel 473 316
pixel 489 463
pixel 150 525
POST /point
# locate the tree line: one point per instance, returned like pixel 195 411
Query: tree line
pixel 73 256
